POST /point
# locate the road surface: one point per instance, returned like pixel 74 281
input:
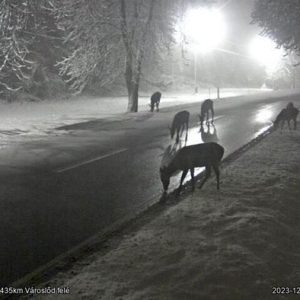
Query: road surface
pixel 59 191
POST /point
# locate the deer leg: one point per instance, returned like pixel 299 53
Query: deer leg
pixel 282 124
pixel 177 136
pixel 181 130
pixel 201 119
pixel 184 172
pixel 207 175
pixel 212 115
pixel 186 131
pixel 288 121
pixel 217 172
pixel 193 178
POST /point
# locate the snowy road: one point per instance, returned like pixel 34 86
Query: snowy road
pixel 56 192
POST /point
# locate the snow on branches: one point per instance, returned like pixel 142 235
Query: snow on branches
pixel 279 20
pixel 113 38
pixel 22 24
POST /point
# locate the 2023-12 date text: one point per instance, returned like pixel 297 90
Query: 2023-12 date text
pixel 281 290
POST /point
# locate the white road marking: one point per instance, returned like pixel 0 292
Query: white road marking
pixel 219 117
pixel 91 160
pixel 215 118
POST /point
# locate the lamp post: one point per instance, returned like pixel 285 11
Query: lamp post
pixel 204 29
pixel 195 72
pixel 294 78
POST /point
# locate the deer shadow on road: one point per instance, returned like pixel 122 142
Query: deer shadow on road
pixel 208 134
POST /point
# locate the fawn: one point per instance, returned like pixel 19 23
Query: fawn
pixel 286 115
pixel 187 158
pixel 155 100
pixel 207 105
pixel 179 124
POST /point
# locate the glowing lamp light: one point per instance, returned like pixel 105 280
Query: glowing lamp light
pixel 205 28
pixel 264 51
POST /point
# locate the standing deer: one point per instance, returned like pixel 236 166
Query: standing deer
pixel 286 115
pixel 187 158
pixel 155 100
pixel 207 105
pixel 179 124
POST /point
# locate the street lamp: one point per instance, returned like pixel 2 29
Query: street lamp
pixel 264 51
pixel 203 29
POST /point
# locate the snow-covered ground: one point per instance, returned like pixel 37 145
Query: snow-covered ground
pixel 23 119
pixel 241 242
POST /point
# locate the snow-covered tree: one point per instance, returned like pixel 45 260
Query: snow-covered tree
pixel 280 20
pixel 27 29
pixel 109 38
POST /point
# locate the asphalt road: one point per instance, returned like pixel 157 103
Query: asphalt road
pixel 58 192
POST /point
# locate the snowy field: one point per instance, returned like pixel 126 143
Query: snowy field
pixel 241 242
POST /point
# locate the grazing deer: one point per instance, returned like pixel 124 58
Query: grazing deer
pixel 179 124
pixel 286 115
pixel 155 100
pixel 187 158
pixel 207 105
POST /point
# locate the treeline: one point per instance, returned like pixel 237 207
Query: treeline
pixel 49 48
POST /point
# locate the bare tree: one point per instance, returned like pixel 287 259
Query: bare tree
pixel 114 37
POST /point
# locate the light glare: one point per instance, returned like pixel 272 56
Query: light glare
pixel 264 51
pixel 264 115
pixel 205 28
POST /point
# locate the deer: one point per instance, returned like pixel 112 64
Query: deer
pixel 207 105
pixel 179 124
pixel 208 155
pixel 155 100
pixel 286 115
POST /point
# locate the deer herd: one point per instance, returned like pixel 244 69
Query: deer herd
pixel 207 154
